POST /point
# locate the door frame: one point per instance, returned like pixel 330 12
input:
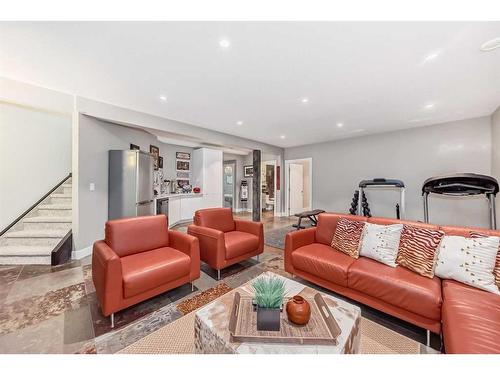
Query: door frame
pixel 224 162
pixel 274 163
pixel 287 181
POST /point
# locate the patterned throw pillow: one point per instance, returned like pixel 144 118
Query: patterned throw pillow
pixel 380 242
pixel 418 249
pixel 496 270
pixel 347 236
pixel 469 260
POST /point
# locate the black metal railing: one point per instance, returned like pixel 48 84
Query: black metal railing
pixel 34 205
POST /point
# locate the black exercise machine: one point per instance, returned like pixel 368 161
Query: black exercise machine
pixel 311 215
pixel 461 185
pixel 360 205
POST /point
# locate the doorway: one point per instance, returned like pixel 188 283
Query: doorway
pixel 229 185
pixel 298 194
pixel 268 186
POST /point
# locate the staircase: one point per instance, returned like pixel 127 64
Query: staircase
pixel 40 235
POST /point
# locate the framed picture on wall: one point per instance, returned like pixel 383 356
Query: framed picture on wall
pixel 183 166
pixel 183 155
pixel 182 182
pixel 134 147
pixel 248 171
pixel 160 162
pixel 155 151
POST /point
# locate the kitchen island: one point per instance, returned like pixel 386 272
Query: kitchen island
pixel 179 208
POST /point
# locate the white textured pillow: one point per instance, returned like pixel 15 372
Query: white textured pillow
pixel 468 260
pixel 381 242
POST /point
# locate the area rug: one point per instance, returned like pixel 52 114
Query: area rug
pixel 178 338
pixel 276 237
pixel 199 300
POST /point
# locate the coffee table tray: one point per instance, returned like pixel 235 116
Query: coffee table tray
pixel 321 328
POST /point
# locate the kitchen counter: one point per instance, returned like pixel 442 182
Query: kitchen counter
pixel 174 195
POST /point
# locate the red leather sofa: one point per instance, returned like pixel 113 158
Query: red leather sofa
pixel 139 259
pixel 468 317
pixel 225 241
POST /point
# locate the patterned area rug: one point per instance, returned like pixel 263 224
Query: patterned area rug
pixel 203 298
pixel 178 338
pixel 276 237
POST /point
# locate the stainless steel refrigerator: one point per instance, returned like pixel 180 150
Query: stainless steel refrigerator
pixel 130 184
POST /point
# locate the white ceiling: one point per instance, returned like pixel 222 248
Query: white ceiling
pixel 370 76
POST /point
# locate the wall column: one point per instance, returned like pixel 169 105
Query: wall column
pixel 256 185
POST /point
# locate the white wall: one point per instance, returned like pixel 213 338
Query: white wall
pixel 411 155
pixel 35 155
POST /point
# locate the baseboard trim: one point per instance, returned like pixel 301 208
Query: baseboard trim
pixel 82 253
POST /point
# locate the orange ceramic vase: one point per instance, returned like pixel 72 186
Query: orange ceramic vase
pixel 298 310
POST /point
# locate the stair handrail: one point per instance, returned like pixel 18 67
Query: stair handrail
pixel 34 205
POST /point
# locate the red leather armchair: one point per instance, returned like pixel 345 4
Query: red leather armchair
pixel 139 259
pixel 223 240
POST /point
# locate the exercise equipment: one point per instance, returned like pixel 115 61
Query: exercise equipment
pixel 461 185
pixel 360 205
pixel 311 215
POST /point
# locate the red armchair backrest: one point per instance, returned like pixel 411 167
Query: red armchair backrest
pixel 215 218
pixel 136 234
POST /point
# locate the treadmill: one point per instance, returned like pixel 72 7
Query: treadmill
pixel 462 185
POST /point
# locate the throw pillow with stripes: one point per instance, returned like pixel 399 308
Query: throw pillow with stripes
pixel 347 236
pixel 418 249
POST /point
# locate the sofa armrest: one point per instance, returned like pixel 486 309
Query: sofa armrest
pixel 212 245
pixel 253 227
pixel 189 245
pixel 107 277
pixel 294 240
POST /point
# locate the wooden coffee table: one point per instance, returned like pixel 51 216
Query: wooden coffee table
pixel 212 321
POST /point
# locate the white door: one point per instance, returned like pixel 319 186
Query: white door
pixel 296 188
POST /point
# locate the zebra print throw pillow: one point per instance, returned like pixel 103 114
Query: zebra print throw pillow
pixel 496 270
pixel 347 236
pixel 418 249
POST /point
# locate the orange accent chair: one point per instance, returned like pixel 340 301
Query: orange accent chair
pixel 225 241
pixel 139 259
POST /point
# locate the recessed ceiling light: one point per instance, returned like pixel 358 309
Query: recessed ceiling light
pixel 224 43
pixel 431 57
pixel 239 123
pixel 490 45
pixel 429 106
pixel 339 124
pixel 163 98
pixel 304 100
pixel 282 136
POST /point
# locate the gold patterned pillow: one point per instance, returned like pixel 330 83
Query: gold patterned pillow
pixel 496 270
pixel 418 249
pixel 347 236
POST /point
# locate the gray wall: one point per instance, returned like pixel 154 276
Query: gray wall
pixel 35 155
pixel 96 138
pixel 495 146
pixel 411 155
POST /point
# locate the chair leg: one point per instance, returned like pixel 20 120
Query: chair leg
pixel 192 286
pixel 218 274
pixel 428 338
pixel 113 320
pixel 257 258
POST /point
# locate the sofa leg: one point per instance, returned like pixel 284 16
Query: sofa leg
pixel 428 338
pixel 113 320
pixel 257 258
pixel 218 274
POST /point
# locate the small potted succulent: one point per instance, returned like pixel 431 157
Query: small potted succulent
pixel 268 301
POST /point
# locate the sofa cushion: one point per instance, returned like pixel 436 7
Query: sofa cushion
pixel 327 223
pixel 398 286
pixel 239 243
pixel 471 319
pixel 148 270
pixel 322 261
pixel 381 242
pixel 418 249
pixel 136 234
pixel 215 218
pixel 496 269
pixel 347 236
pixel 469 260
